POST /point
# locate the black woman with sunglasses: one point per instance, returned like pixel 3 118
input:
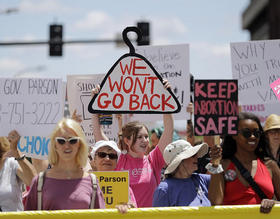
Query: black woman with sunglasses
pixel 228 186
pixel 66 185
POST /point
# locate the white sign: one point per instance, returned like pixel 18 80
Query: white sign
pixel 79 89
pixel 32 106
pixel 133 86
pixel 172 63
pixel 256 64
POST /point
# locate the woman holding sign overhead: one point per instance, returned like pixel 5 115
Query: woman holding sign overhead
pixel 14 171
pixel 144 171
pixel 240 174
pixel 66 185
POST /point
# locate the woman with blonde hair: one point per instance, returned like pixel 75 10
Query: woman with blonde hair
pixel 14 171
pixel 66 185
pixel 272 134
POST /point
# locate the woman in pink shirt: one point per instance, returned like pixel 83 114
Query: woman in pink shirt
pixel 144 170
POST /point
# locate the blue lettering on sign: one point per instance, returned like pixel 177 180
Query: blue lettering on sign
pixel 35 145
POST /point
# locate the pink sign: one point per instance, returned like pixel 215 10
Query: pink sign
pixel 275 86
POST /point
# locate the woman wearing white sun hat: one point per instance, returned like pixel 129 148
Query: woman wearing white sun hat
pixel 183 187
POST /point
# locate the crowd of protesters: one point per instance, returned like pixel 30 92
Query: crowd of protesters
pixel 242 170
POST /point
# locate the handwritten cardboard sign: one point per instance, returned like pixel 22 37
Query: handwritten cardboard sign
pixel 215 107
pixel 256 65
pixel 133 85
pixel 275 86
pixel 114 185
pixel 79 89
pixel 32 106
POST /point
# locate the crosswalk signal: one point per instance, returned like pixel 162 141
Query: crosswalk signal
pixel 56 42
pixel 145 29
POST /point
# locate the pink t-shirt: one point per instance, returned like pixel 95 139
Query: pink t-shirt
pixel 63 194
pixel 144 175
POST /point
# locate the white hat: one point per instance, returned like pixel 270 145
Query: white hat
pixel 104 143
pixel 179 150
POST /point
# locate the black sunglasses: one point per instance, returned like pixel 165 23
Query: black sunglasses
pixel 111 156
pixel 61 140
pixel 247 133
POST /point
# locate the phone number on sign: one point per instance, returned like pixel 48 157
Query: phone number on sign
pixel 17 113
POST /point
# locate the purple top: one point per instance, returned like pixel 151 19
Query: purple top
pixel 63 194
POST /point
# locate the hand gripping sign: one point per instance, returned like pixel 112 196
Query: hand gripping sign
pixel 133 85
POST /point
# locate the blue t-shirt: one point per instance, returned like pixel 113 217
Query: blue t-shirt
pixel 192 191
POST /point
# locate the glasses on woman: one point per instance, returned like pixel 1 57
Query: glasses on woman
pixel 111 156
pixel 247 133
pixel 62 141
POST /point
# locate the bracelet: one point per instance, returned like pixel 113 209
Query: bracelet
pixel 214 170
pixel 20 158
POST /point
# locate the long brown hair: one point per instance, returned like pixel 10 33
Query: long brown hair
pixel 130 130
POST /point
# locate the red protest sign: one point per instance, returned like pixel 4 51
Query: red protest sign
pixel 215 107
pixel 133 86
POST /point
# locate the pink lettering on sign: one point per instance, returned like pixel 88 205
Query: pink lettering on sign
pixel 275 86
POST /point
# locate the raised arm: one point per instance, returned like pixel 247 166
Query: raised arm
pixel 25 171
pixel 96 127
pixel 217 183
pixel 167 135
pixel 168 123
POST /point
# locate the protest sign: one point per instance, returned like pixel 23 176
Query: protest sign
pixel 114 185
pixel 132 85
pixel 215 107
pixel 32 106
pixel 256 65
pixel 79 89
pixel 275 86
pixel 172 63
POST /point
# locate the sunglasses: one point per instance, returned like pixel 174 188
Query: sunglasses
pixel 62 141
pixel 111 156
pixel 247 133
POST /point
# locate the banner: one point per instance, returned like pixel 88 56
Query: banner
pixel 217 212
pixel 114 185
pixel 215 107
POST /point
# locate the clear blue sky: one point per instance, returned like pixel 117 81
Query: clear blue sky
pixel 208 26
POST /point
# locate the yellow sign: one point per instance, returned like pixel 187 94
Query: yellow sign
pixel 114 185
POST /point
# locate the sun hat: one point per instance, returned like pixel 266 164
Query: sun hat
pixel 272 122
pixel 179 150
pixel 103 143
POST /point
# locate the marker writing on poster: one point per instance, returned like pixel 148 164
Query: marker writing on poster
pixel 138 85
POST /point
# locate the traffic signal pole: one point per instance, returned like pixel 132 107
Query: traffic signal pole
pixel 25 43
pixel 56 41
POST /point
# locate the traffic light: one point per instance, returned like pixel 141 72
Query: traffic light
pixel 145 29
pixel 56 42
